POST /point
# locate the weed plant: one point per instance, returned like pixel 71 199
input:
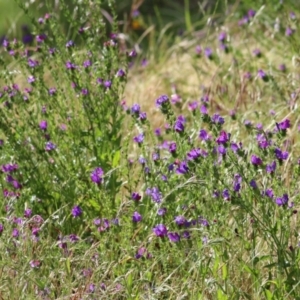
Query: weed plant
pixel 103 198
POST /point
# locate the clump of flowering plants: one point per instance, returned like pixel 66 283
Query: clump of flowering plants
pixel 101 201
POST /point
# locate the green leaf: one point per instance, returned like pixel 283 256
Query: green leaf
pixel 116 159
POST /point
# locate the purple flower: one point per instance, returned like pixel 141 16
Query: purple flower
pixel 182 168
pixel 179 126
pixel 50 146
pixel 27 213
pixel 73 238
pixel 253 184
pixel 172 147
pixel 208 52
pixel 203 110
pixel 222 36
pixel 9 168
pixel 43 125
pixel 155 156
pixel 285 124
pixel 120 73
pixel 87 63
pixel 282 67
pixel 180 220
pixel 198 50
pixel 193 105
pixel 157 132
pixel 226 195
pixel 194 154
pixel 255 160
pixel 76 211
pixel 139 138
pixel 217 119
pixel 136 217
pixel 161 100
pixel 162 211
pixel 32 63
pixel 160 230
pixel 107 84
pixel 269 193
pixel 155 194
pixel 281 155
pixel 261 74
pixel 280 201
pixel 256 52
pixel 251 13
pixel 203 135
pixel 40 38
pixel 271 167
pixel 70 65
pixel 52 91
pixel 289 31
pixel 97 175
pixel 223 138
pixel 135 196
pixel 222 150
pixel 70 44
pixel 135 109
pixel 31 79
pixel 35 264
pixel 174 237
pixel 15 233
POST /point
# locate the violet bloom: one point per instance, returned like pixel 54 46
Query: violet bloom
pixel 9 168
pixel 271 167
pixel 160 230
pixel 107 84
pixel 256 52
pixel 194 154
pixel 142 116
pixel 136 217
pixel 281 201
pixel 226 195
pixel 222 36
pixel 41 38
pixel 135 109
pixel 31 79
pixel 27 213
pixel 179 126
pixel 15 233
pixel 203 110
pixel 203 135
pixel 255 160
pixel 70 44
pixel 135 196
pixel 182 168
pixel 193 105
pixel 251 13
pixel 120 73
pixel 76 211
pixel 139 138
pixel 284 125
pixel 43 125
pixel 208 52
pixel 180 220
pixel 87 63
pixel 269 193
pixel 281 155
pixel 52 91
pixel 253 184
pixel 217 119
pixel 1 228
pixel 174 237
pixel 50 146
pixel 172 147
pixel 261 74
pixel 97 175
pixel 222 150
pixel 198 50
pixel 289 31
pixel 155 194
pixel 70 65
pixel 161 100
pixel 223 138
pixel 162 211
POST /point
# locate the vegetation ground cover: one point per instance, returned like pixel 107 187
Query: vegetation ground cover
pixel 151 165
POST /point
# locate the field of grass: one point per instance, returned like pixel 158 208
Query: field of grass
pixel 142 162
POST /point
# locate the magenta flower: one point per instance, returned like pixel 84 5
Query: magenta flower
pixel 255 160
pixel 174 237
pixel 97 175
pixel 136 217
pixel 43 125
pixel 160 230
pixel 76 211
